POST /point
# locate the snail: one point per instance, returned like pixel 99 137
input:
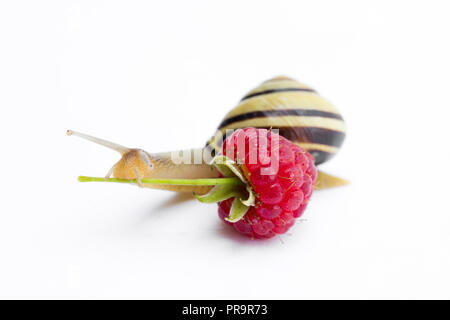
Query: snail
pixel 296 110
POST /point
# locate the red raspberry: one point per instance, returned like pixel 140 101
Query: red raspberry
pixel 282 195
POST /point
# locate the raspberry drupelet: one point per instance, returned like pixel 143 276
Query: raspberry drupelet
pixel 281 176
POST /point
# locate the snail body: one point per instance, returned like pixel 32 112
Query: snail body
pixel 296 110
pixel 139 164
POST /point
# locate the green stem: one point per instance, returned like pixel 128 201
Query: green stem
pixel 184 182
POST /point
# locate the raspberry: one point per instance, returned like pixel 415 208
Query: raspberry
pixel 268 212
pixel 297 213
pixel 283 194
pixel 224 210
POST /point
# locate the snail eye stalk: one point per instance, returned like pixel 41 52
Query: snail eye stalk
pixel 111 145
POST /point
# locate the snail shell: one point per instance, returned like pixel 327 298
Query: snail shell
pixel 296 110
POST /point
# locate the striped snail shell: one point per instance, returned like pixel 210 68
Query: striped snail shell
pixel 296 110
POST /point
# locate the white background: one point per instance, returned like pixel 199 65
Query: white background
pixel 161 75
